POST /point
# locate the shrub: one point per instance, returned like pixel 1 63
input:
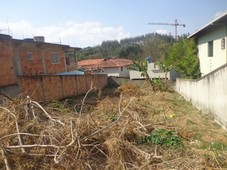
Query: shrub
pixel 163 137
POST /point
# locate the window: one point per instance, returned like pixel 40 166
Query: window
pixel 121 68
pixel 223 43
pixel 210 49
pixel 29 56
pixel 70 58
pixel 55 58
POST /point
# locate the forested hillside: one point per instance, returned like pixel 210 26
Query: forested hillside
pixel 135 48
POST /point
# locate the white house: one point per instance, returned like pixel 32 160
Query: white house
pixel 115 67
pixel 153 71
pixel 211 41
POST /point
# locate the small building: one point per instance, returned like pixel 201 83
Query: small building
pixel 31 57
pixel 154 71
pixel 211 41
pixel 115 67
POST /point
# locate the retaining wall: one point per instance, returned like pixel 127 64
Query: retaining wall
pixel 208 94
pixel 44 88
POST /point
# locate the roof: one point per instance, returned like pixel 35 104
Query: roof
pixel 70 73
pixel 222 19
pixel 104 63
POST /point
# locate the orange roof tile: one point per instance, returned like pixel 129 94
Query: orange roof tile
pixel 104 63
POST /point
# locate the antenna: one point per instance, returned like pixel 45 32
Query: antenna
pixel 175 24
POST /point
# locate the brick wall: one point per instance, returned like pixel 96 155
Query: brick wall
pixel 44 88
pixel 7 76
pixel 40 60
pixel 28 58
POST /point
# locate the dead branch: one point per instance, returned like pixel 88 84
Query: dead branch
pixel 32 146
pixel 5 160
pixel 111 124
pixel 17 127
pixel 47 114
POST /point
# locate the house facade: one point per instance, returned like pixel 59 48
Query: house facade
pixel 211 41
pixel 115 67
pixel 154 71
pixel 31 57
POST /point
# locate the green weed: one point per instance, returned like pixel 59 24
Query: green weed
pixel 163 137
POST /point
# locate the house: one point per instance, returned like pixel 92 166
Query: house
pixel 44 71
pixel 31 57
pixel 153 71
pixel 116 67
pixel 211 41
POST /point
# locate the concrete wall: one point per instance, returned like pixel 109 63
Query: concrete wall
pixel 115 72
pixel 154 72
pixel 44 88
pixel 208 94
pixel 10 90
pixel 208 64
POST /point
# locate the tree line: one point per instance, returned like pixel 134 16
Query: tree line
pixel 180 55
pixel 134 48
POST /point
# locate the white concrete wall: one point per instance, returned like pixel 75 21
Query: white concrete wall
pixel 116 72
pixel 135 75
pixel 153 71
pixel 208 64
pixel 208 94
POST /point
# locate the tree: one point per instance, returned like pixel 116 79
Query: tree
pixel 142 67
pixel 183 58
pixel 133 52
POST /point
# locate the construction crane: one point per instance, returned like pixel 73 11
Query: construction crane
pixel 175 24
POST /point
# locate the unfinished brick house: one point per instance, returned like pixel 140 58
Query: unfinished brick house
pixel 33 57
pixel 32 66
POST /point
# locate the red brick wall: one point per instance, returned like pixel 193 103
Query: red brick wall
pixel 7 75
pixel 32 66
pixel 54 68
pixel 44 88
pixel 41 62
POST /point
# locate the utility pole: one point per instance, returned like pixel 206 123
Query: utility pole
pixel 175 24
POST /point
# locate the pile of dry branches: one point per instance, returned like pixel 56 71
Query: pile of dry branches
pixel 33 137
pixel 37 137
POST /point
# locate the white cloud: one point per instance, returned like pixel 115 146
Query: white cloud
pixel 71 33
pixel 160 31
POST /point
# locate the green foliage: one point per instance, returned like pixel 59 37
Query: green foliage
pixel 216 145
pixel 165 138
pixel 140 66
pixel 132 51
pixel 135 48
pixel 158 84
pixel 183 58
pixel 156 47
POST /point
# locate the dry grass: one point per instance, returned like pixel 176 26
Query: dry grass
pixel 109 135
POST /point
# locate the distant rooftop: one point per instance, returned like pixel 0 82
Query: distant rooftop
pixel 104 63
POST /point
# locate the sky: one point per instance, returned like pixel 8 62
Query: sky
pixel 83 23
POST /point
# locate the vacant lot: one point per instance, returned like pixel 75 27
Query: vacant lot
pixel 126 128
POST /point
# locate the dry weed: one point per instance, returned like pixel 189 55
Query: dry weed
pixel 109 137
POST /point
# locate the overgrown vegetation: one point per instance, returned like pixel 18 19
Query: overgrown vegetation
pixel 135 48
pixel 163 137
pixel 129 128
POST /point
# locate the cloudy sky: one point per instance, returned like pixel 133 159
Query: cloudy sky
pixel 82 23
